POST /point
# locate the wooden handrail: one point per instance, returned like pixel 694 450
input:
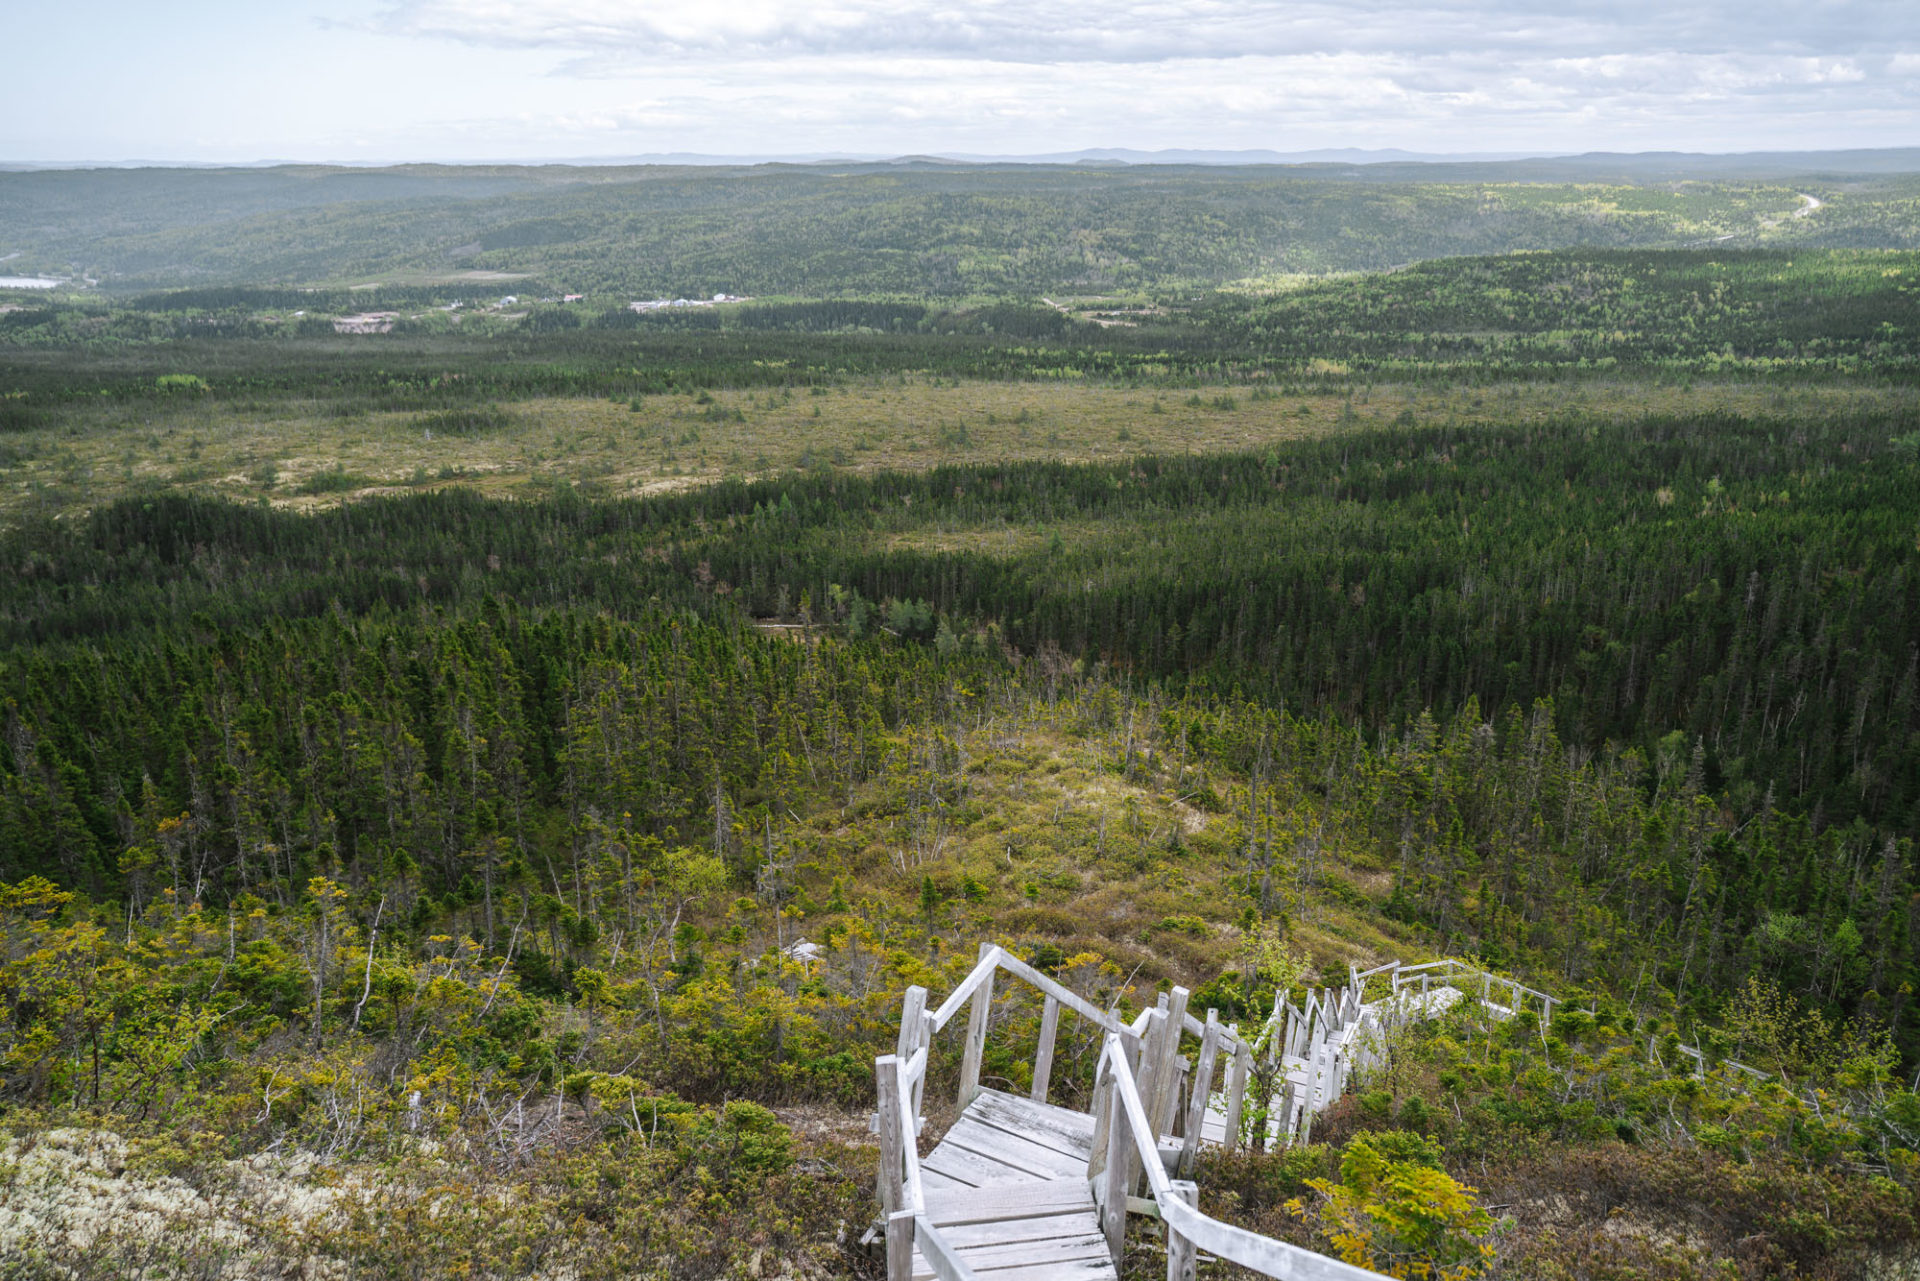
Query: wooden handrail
pixel 1145 1143
pixel 982 972
pixel 1060 992
pixel 941 1257
pixel 1005 960
pixel 1249 1249
pixel 1142 1098
pixel 903 1194
pixel 1264 1255
pixel 915 1197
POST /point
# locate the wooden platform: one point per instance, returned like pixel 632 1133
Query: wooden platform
pixel 1007 1187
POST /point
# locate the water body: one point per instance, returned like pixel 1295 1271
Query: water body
pixel 28 282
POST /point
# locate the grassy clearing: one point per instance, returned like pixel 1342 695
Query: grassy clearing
pixel 1051 835
pixel 295 453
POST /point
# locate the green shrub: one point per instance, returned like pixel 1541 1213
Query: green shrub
pixel 470 420
pixel 336 480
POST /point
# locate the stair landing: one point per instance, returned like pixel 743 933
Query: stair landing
pixel 1007 1188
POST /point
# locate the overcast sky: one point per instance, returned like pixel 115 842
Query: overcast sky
pixel 242 80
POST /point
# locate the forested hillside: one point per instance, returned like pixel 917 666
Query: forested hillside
pixel 922 230
pixel 1724 603
pixel 547 741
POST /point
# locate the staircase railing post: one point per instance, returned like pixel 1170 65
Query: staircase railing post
pixel 1150 1041
pixel 1181 1253
pixel 1202 1092
pixel 887 1074
pixel 978 1014
pixel 1166 1076
pixel 1237 1089
pixel 913 1035
pixel 900 1246
pixel 1102 1118
pixel 1043 1057
pixel 1117 1180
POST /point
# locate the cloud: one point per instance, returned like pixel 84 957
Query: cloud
pixel 862 103
pixel 1131 31
pixel 490 78
pixel 1200 72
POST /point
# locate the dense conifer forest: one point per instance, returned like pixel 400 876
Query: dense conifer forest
pixel 424 750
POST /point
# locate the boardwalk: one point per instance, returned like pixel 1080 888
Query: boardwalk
pixel 1007 1188
pixel 1020 1189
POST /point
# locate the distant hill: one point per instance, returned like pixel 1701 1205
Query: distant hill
pixel 919 225
pixel 1192 156
pixel 1619 166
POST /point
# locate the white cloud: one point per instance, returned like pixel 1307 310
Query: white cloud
pixel 498 78
pixel 1150 30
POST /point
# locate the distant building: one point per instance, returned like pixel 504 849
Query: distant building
pixel 573 297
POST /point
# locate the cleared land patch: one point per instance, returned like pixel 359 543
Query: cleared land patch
pixel 299 453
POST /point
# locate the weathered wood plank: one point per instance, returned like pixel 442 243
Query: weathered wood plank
pixel 1050 1227
pixel 1055 1157
pixel 1044 1199
pixel 1195 1128
pixel 937 1183
pixel 982 972
pixel 1057 1128
pixel 1118 1176
pixel 1066 996
pixel 1070 1270
pixel 972 1168
pixel 914 1040
pixel 900 1252
pixel 1011 1149
pixel 1236 1095
pixel 1264 1255
pixel 1180 1252
pixel 1027 1254
pixel 941 1258
pixel 913 1008
pixel 1103 1111
pixel 1059 1161
pixel 1139 1132
pixel 1077 1270
pixel 1166 1076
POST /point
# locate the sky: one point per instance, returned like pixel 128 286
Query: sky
pixel 393 80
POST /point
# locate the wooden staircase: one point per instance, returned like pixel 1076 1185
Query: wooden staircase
pixel 1019 1188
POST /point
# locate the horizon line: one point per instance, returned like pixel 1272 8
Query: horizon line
pixel 1124 156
